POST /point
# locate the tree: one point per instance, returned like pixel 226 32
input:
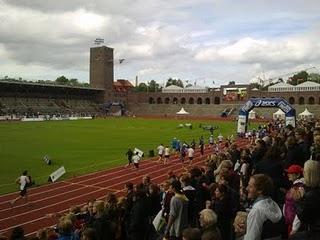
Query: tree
pixel 314 77
pixel 232 83
pixel 142 87
pixel 176 82
pixel 74 82
pixel 298 78
pixel 179 83
pixel 153 86
pixel 255 85
pixel 62 80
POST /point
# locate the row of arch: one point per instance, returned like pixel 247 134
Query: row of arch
pixel 301 100
pixel 183 100
pixel 216 100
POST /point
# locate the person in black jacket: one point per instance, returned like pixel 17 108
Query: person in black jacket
pixel 258 152
pixel 139 217
pixel 129 155
pixel 304 148
pixel 308 212
pixel 271 165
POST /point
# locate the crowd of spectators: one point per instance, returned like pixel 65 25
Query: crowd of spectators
pixel 268 189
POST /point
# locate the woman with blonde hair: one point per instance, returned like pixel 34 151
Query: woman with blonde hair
pixel 208 222
pixel 65 228
pixel 311 173
pixel 100 223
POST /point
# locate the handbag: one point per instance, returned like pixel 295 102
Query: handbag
pixel 159 221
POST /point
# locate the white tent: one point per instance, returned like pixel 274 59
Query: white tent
pixel 252 114
pixel 306 114
pixel 182 112
pixel 279 115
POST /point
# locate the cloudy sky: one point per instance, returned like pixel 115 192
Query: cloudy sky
pixel 201 41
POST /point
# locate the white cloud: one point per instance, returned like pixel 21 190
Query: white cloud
pixel 149 71
pixel 197 34
pixel 262 51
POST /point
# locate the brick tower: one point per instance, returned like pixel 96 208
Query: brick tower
pixel 101 68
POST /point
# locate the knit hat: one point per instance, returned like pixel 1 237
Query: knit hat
pixel 294 169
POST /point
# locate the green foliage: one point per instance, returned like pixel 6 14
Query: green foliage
pixel 314 77
pixel 62 80
pixel 177 82
pixel 142 87
pixel 298 78
pixel 85 146
pixel 255 85
pixel 153 86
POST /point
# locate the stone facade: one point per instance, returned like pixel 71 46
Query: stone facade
pixel 101 75
pixel 101 68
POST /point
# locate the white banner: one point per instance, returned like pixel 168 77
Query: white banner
pixel 242 121
pixel 140 153
pixel 57 174
pixel 291 121
pixel 32 119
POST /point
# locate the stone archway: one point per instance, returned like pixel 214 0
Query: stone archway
pixel 216 100
pixel 311 100
pixel 207 100
pixel 175 100
pixel 301 100
pixel 151 100
pixel 191 100
pixel 291 100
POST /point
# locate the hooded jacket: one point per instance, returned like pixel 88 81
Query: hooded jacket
pixel 263 209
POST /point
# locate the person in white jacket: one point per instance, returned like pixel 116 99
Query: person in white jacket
pixel 264 210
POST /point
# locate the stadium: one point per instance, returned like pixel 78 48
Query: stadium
pixel 101 184
pixel 106 96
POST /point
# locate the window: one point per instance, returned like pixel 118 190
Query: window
pixel 216 100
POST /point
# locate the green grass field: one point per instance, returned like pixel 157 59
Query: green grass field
pixel 87 145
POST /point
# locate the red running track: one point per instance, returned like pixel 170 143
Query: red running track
pixel 60 196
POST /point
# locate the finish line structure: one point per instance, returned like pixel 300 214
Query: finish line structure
pixel 290 112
